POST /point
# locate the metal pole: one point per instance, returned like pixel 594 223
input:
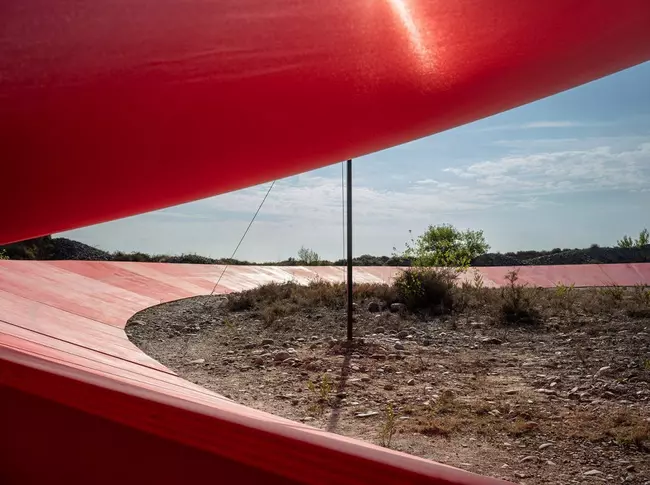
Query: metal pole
pixel 349 183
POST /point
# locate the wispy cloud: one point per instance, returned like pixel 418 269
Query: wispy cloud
pixel 564 171
pixel 533 125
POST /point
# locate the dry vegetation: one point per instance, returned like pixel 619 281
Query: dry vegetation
pixel 535 386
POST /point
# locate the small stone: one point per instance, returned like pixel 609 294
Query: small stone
pixel 601 371
pixel 389 387
pixel 374 307
pixel 267 341
pixel 380 330
pixel 281 356
pixel 591 473
pixel 528 458
pixel 410 382
pixel 511 391
pixel 426 342
pixel 402 334
pixel 230 352
pixel 366 415
pixel 543 446
pixel 397 307
pixel 399 346
pixel 196 361
pixel 551 463
pixel 492 341
pixel 378 356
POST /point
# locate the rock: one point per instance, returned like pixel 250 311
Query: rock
pixel 402 334
pixel 410 382
pixel 300 339
pixel 426 342
pixel 249 346
pixel 528 458
pixel 491 341
pixel 551 463
pixel 389 387
pixel 314 366
pixel 267 341
pixel 366 415
pixel 281 356
pixel 374 307
pixel 397 307
pixel 196 361
pixel 601 371
pixel 230 352
pixel 511 391
pixel 591 473
pixel 399 346
pixel 258 361
pixel 378 356
pixel 380 330
pixel 543 446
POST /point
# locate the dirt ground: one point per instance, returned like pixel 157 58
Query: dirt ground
pixel 563 402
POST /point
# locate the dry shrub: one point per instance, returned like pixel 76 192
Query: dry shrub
pixel 372 291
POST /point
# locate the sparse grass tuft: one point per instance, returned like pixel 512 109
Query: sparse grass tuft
pixel 517 302
pixel 322 391
pixel 389 426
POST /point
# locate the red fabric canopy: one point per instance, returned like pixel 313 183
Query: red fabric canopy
pixel 111 108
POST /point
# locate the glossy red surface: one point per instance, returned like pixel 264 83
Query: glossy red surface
pixel 110 108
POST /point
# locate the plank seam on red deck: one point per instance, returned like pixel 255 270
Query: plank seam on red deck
pixel 167 371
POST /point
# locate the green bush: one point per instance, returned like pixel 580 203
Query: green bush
pixel 517 302
pixel 426 289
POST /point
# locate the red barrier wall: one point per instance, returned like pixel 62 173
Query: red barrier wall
pixel 77 397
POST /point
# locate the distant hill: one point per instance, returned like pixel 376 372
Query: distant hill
pixel 61 248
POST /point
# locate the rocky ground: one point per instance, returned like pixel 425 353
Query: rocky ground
pixel 566 401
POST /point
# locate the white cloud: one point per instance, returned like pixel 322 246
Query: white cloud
pixel 559 172
pixel 532 125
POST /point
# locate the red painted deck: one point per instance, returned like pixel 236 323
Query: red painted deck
pixel 76 395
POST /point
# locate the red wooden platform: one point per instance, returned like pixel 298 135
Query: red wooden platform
pixel 78 400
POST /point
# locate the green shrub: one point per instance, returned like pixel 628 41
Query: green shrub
pixel 429 289
pixel 444 245
pixel 517 305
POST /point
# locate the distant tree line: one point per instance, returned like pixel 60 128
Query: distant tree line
pixel 439 245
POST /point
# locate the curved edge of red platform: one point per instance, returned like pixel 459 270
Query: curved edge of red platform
pixel 78 400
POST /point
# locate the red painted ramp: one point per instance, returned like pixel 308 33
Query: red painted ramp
pixel 80 404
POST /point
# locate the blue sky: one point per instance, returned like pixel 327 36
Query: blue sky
pixel 566 171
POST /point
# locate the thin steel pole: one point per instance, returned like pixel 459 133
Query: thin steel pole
pixel 349 166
